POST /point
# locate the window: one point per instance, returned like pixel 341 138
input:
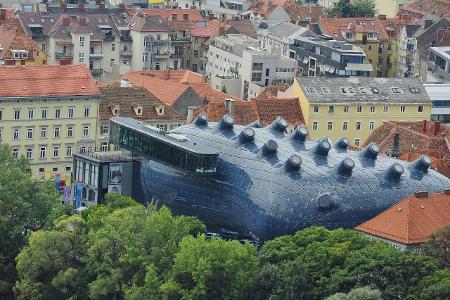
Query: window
pixel 29 133
pixel 385 108
pixel 57 132
pixel 16 114
pixel 30 114
pixel 16 134
pixel 396 90
pixel 359 108
pixel 104 129
pixel 15 153
pixel 43 132
pixel 57 113
pixel 104 147
pixel 41 170
pixel 1 134
pixel 331 109
pixel 1 114
pixel 357 141
pixel 344 125
pixel 256 76
pixel 70 112
pixel 56 151
pixel 420 108
pixel 315 126
pixel 257 66
pixel 330 125
pixel 81 57
pixel 42 152
pixel 86 130
pixel 346 108
pixel 372 108
pixel 69 151
pixel 371 125
pixel 81 41
pixel 316 108
pixel 44 113
pixel 86 112
pixel 70 131
pixel 29 153
pixel 402 108
pixel 113 47
pixel 358 125
pixel 195 53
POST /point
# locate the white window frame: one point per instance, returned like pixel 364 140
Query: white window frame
pixel 315 126
pixel 42 152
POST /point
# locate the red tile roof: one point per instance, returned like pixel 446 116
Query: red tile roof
pixel 12 39
pixel 416 138
pixel 297 12
pixel 424 7
pixel 335 26
pixel 411 221
pixel 49 80
pixel 208 31
pixel 167 13
pixel 271 91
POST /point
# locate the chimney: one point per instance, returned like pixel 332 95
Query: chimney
pixel 65 21
pixel 229 105
pixel 2 14
pixel 395 151
pixel 124 83
pixel 174 16
pixel 82 21
pixel 421 195
pixel 221 29
pixel 63 6
pixel 101 6
pixel 428 23
pixel 211 16
pixel 122 6
pixel 447 191
pixel 441 34
pixel 437 127
pixel 167 74
pixel 381 17
pixel 185 16
pixel 424 126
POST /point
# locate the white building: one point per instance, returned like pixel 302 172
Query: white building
pixel 237 63
pixel 224 9
pixel 440 101
pixel 408 64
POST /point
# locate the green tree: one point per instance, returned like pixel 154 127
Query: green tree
pixel 26 205
pixel 352 8
pixel 212 269
pixel 362 293
pixel 300 2
pixel 435 286
pixel 438 246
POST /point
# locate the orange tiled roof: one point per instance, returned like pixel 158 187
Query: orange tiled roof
pixel 208 31
pixel 335 26
pixel 167 13
pixel 12 39
pixel 271 91
pixel 393 26
pixel 423 7
pixel 297 12
pixel 49 80
pixel 411 221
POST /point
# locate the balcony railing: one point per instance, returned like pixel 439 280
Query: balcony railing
pixel 175 40
pixel 96 71
pixel 97 55
pixel 63 55
pixel 162 55
pixel 37 36
pixel 126 53
pixel 176 55
pixel 126 38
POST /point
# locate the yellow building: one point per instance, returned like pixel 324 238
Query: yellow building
pixel 47 113
pixel 17 48
pixel 354 107
pixel 371 35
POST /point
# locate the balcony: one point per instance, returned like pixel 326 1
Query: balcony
pixel 162 55
pixel 95 72
pixel 38 36
pixel 109 37
pixel 63 55
pixel 180 40
pixel 176 55
pixel 126 38
pixel 97 55
pixel 126 53
pixel 162 42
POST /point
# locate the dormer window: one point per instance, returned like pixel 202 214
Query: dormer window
pixel 396 90
pixel 116 110
pixel 16 54
pixel 349 35
pixel 25 55
pixel 160 110
pixel 138 109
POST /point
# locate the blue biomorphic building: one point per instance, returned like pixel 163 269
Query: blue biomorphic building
pixel 261 181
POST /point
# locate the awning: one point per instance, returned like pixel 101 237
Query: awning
pixel 359 67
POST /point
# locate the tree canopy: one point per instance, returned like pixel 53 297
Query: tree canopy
pixel 438 246
pixel 352 8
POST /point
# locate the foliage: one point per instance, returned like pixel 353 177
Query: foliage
pixel 352 8
pixel 212 269
pixel 438 246
pixel 300 2
pixel 25 206
pixel 224 89
pixel 111 251
pixel 362 293
pixel 316 263
pixel 435 286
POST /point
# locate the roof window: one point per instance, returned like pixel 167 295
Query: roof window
pixel 396 90
pixel 311 90
pixel 414 90
pixel 326 90
pixel 375 90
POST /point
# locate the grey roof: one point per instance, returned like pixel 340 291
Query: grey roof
pixel 286 30
pixel 363 89
pixel 148 23
pixel 422 29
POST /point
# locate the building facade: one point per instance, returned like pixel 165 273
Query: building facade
pixel 438 64
pixel 354 107
pixel 329 58
pixel 440 99
pixel 49 124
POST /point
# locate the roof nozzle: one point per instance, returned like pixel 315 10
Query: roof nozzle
pixel 279 124
pixel 300 133
pixel 342 143
pixel 256 124
pixel 202 120
pixel 293 163
pixel 226 123
pixel 423 163
pixel 345 167
pixel 247 135
pixel 323 147
pixel 324 201
pixel 371 151
pixel 270 147
pixel 394 172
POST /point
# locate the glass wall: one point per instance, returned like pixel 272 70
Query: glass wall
pixel 162 151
